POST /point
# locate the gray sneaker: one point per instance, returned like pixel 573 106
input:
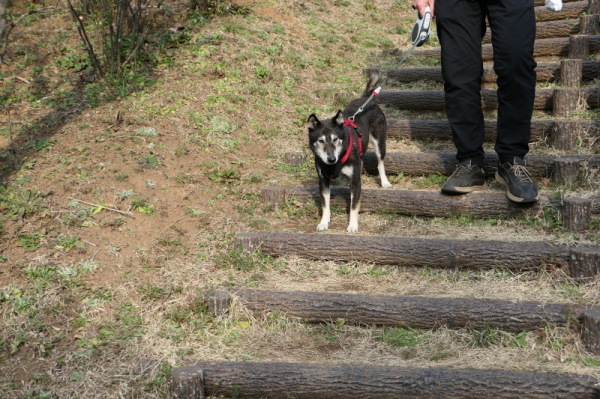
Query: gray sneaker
pixel 465 179
pixel 519 185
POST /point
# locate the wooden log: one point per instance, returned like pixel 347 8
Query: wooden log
pixel 584 263
pixel 541 130
pixel 412 202
pixel 549 29
pixel 567 101
pixel 218 303
pixel 564 135
pixel 577 214
pixel 590 331
pixel 569 11
pixel 566 171
pixel 590 69
pixel 579 46
pixel 591 96
pixel 594 44
pixel 588 24
pixel 434 100
pixel 571 73
pixel 555 47
pixel 408 312
pixel 545 72
pixel 407 251
pixel 310 381
pixel 186 383
pixel 418 203
pixel 422 164
pixel 594 7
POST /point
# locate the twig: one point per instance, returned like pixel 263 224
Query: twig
pixel 104 207
pixel 18 78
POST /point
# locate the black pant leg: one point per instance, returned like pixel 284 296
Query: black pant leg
pixel 512 23
pixel 460 30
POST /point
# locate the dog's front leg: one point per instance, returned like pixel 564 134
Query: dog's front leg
pixel 325 193
pixel 355 191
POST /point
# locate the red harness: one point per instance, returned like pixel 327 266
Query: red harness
pixel 351 123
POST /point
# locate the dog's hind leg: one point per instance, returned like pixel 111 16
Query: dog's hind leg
pixel 380 153
pixel 325 193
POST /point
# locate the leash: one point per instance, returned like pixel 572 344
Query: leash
pixel 418 37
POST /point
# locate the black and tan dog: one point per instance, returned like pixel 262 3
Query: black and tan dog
pixel 339 144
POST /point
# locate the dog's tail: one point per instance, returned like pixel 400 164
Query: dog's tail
pixel 374 76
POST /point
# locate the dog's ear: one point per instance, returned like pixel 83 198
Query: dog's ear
pixel 338 119
pixel 312 122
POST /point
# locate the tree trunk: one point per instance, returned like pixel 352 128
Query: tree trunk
pixel 408 312
pixel 310 381
pixel 408 251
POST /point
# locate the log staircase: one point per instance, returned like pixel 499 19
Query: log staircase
pixel 567 46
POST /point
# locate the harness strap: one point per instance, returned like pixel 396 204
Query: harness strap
pixel 349 150
pixel 349 122
pixel 339 165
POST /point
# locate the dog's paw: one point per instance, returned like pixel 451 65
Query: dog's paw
pixel 386 184
pixel 322 226
pixel 352 229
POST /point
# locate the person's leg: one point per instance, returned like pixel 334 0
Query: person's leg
pixel 513 35
pixel 460 29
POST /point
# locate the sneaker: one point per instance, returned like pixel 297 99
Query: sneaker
pixel 465 179
pixel 519 185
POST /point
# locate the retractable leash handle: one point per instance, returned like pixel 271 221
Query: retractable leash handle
pixel 420 32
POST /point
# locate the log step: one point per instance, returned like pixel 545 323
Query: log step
pixel 413 252
pixel 308 381
pixel 434 100
pixel 545 72
pixel 402 311
pixel 555 47
pixel 419 203
pixel 422 164
pixel 541 130
pixel 569 11
pixel 548 29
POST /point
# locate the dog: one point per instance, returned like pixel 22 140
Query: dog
pixel 338 145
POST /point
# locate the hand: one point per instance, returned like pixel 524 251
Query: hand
pixel 422 4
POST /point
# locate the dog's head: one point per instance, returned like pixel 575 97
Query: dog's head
pixel 327 138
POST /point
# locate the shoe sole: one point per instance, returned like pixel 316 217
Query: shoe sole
pixel 512 197
pixel 462 190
